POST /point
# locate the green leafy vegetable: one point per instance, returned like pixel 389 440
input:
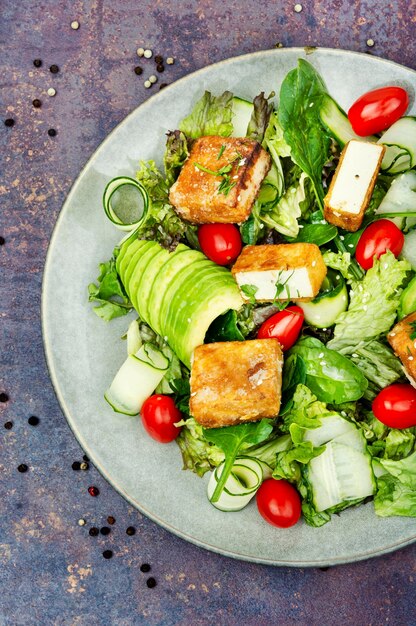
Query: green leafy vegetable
pixel 198 454
pixel 182 392
pixel 176 153
pixel 399 443
pixel 109 293
pixel 259 118
pixel 316 233
pixel 332 377
pixel 373 304
pixel 300 99
pixel 396 493
pixel 224 328
pixel 378 364
pixel 233 440
pixel 211 115
pixel 340 261
pixel 275 140
pixel 283 215
pixel 249 291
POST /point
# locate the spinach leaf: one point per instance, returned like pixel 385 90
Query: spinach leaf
pixel 300 99
pixel 224 328
pixel 211 115
pixel 316 233
pixel 109 293
pixel 332 377
pixel 233 439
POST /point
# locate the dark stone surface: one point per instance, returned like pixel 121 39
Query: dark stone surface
pixel 51 570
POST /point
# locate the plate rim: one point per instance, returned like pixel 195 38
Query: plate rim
pixel 48 268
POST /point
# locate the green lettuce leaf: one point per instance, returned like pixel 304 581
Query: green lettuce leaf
pixel 399 444
pixel 373 304
pixel 198 454
pixel 259 118
pixel 396 493
pixel 284 215
pixel 274 139
pixel 109 293
pixel 340 261
pixel 211 115
pixel 378 364
pixel 176 153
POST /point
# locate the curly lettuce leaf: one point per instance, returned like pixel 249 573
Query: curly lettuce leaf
pixel 260 117
pixel 373 304
pixel 284 215
pixel 176 153
pixel 399 444
pixel 396 493
pixel 198 454
pixel 378 364
pixel 274 139
pixel 109 293
pixel 211 115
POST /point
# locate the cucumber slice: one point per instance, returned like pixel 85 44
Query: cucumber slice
pixel 323 311
pixel 400 142
pixel 242 111
pixel 331 426
pixel 241 485
pixel 136 380
pixel 339 475
pixel 408 299
pixel 134 340
pixel 409 248
pixel 400 198
pixel 125 202
pixel 337 123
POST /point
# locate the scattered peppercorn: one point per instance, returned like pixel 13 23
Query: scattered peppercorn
pixel 4 397
pixel 85 458
pixel 138 70
pixel 37 62
pixel 145 567
pixel 158 59
pixel 2 241
pixel 93 491
pixel 107 554
pixel 93 531
pixel 33 420
pixel 162 86
pixel 37 103
pixel 8 425
pixel 151 582
pixel 54 69
pixel 51 92
pixel 9 122
pixel 170 60
pixel 131 530
pixel 76 465
pixel 160 68
pixel 147 54
pixel 81 522
pixel 84 466
pixel 22 468
pixel 111 520
pixel 105 530
pixel 52 132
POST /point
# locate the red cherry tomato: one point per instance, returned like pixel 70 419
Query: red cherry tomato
pixel 380 236
pixel 159 415
pixel 284 326
pixel 395 406
pixel 220 242
pixel 279 503
pixel 376 110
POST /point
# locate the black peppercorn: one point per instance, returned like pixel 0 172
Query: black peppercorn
pixel 151 582
pixel 4 397
pixel 93 531
pixel 37 62
pixel 131 530
pixel 85 458
pixel 105 530
pixel 138 70
pixel 145 567
pixel 158 59
pixel 37 103
pixel 54 69
pixel 76 465
pixel 2 241
pixel 9 122
pixel 22 468
pixel 52 132
pixel 111 520
pixel 8 425
pixel 107 554
pixel 160 67
pixel 33 420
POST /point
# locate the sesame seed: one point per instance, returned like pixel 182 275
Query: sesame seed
pixel 140 52
pixel 354 354
pixel 350 245
pixel 153 79
pixel 313 263
pixel 392 334
pixel 297 8
pixel 322 363
pixel 324 329
pixel 160 67
pixel 343 413
pixel 51 92
pixel 370 43
pixel 81 522
pixel 85 458
pixel 365 307
pixel 147 84
pixel 170 60
pixel 410 358
pixel 342 237
pixel 320 355
pixel 385 265
pixel 147 53
pixel 75 25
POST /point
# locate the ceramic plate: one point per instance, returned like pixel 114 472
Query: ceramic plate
pixel 83 352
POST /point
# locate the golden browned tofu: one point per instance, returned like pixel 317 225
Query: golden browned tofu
pixel 227 191
pixel 353 183
pixel 235 382
pixel 403 345
pixel 288 271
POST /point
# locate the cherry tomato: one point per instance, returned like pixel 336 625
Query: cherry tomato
pixel 380 236
pixel 279 503
pixel 376 110
pixel 159 415
pixel 284 326
pixel 395 406
pixel 220 242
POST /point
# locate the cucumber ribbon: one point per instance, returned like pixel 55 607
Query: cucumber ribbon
pixel 124 223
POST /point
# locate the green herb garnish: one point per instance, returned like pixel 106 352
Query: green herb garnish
pixel 226 184
pixel 221 152
pixel 413 327
pixel 249 291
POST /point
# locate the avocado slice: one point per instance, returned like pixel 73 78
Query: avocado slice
pixel 135 276
pixel 122 263
pixel 135 259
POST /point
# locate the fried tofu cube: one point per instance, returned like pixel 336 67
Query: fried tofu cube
pixel 220 180
pixel 400 339
pixel 236 382
pixel 353 183
pixel 288 271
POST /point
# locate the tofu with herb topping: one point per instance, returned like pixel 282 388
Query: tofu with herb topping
pixel 235 382
pixel 353 183
pixel 402 339
pixel 289 271
pixel 220 180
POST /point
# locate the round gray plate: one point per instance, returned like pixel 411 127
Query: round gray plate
pixel 83 352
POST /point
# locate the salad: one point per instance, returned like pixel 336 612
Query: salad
pixel 270 267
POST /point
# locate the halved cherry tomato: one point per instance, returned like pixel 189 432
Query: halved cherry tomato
pixel 284 326
pixel 380 236
pixel 220 242
pixel 377 110
pixel 395 406
pixel 279 503
pixel 159 415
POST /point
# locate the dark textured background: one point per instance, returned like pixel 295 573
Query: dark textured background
pixel 51 570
